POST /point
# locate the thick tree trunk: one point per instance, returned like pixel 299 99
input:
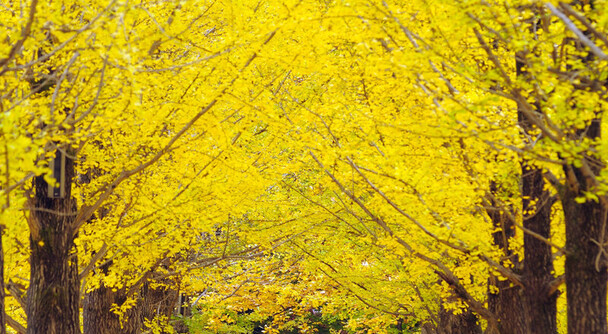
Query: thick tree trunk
pixel 427 328
pixel 540 304
pixel 533 308
pixel 99 319
pixel 585 282
pixel 586 240
pixel 53 295
pixel 158 301
pixel 463 323
pixel 506 303
pixel 586 275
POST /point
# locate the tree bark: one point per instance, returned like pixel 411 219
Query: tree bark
pixel 53 295
pixel 585 283
pixel 98 317
pixel 463 323
pixel 586 240
pixel 586 275
pixel 506 301
pixel 531 308
pixel 158 301
pixel 540 304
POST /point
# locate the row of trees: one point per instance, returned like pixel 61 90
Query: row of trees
pixel 433 163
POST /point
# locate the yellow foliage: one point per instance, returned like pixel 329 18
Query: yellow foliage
pixel 293 154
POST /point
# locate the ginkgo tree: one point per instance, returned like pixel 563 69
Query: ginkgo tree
pixel 539 86
pixel 118 95
pixel 503 82
pixel 411 152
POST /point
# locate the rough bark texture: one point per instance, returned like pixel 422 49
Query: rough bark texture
pixel 540 304
pixel 151 302
pixel 586 240
pixel 506 304
pixel 463 323
pixel 586 283
pixel 53 295
pixel 158 301
pixel 538 301
pixel 531 308
pixel 98 317
pixel 586 275
pixel 428 328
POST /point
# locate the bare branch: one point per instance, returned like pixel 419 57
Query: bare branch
pixel 570 11
pixel 556 283
pixel 98 255
pixel 572 27
pixel 15 325
pixel 17 293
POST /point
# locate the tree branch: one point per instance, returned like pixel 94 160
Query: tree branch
pixel 25 33
pixel 572 27
pixel 15 325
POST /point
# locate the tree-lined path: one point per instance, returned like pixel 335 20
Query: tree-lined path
pixel 278 166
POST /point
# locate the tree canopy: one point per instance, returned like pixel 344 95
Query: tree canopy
pixel 303 166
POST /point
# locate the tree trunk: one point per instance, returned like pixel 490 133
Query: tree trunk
pixel 99 319
pixel 585 283
pixel 463 323
pixel 158 301
pixel 183 311
pixel 506 304
pixel 533 308
pixel 53 296
pixel 586 275
pixel 540 304
pixel 506 301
